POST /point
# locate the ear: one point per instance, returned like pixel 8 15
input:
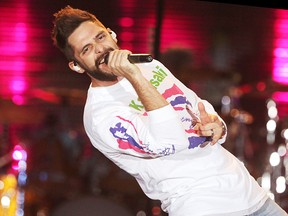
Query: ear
pixel 75 67
pixel 113 34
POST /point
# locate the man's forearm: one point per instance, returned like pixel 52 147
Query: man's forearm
pixel 148 94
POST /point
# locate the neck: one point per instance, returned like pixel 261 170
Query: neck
pixel 98 83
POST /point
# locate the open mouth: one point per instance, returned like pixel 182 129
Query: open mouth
pixel 104 59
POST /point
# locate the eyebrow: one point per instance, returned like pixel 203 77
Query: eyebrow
pixel 99 33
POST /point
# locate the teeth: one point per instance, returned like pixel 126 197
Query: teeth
pixel 102 61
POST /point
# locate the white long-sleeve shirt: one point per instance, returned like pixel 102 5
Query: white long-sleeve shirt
pixel 161 149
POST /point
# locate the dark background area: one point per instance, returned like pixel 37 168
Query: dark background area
pixel 217 48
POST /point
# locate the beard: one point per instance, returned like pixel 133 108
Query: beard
pixel 100 74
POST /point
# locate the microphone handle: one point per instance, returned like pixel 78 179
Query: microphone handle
pixel 134 58
pixel 139 58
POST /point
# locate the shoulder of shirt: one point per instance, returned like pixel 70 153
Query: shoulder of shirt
pixel 154 63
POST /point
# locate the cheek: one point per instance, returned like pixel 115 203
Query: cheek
pixel 89 63
pixel 116 46
pixel 113 44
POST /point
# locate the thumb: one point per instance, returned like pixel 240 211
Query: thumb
pixel 204 117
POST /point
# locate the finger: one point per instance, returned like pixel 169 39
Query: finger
pixel 216 136
pixel 207 130
pixel 212 130
pixel 204 144
pixel 207 141
pixel 204 117
pixel 212 138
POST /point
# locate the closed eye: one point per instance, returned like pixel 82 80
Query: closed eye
pixel 86 50
pixel 101 36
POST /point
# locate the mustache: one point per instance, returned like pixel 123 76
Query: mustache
pixel 102 56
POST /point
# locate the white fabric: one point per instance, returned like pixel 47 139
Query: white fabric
pixel 161 149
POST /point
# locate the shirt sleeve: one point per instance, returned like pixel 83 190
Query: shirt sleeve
pixel 158 133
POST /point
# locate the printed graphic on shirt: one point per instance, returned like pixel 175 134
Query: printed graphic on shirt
pixel 136 105
pixel 126 141
pixel 177 99
pixel 158 77
pixel 189 119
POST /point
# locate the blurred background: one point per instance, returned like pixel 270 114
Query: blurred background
pixel 235 56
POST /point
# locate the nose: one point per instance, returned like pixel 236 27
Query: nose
pixel 99 48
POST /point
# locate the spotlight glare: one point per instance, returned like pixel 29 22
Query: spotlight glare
pixel 274 159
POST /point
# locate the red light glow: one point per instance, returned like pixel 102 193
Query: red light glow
pixel 126 22
pixel 19 153
pixel 131 32
pixel 280 63
pixel 15 165
pixel 280 97
pixel 261 86
pixel 281 43
pixel 18 48
pixel 17 86
pixel 18 100
pixel 281 52
pixel 127 36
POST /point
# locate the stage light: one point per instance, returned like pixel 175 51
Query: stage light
pixel 285 134
pixel 271 103
pixel 282 150
pixel 280 66
pixel 280 184
pixel 272 112
pixel 1 185
pixel 126 22
pixel 271 125
pixel 266 181
pixel 19 156
pixel 274 159
pixel 5 201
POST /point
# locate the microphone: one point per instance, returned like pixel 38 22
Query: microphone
pixel 134 58
pixel 139 58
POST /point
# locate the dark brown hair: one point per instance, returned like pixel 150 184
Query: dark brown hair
pixel 66 21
